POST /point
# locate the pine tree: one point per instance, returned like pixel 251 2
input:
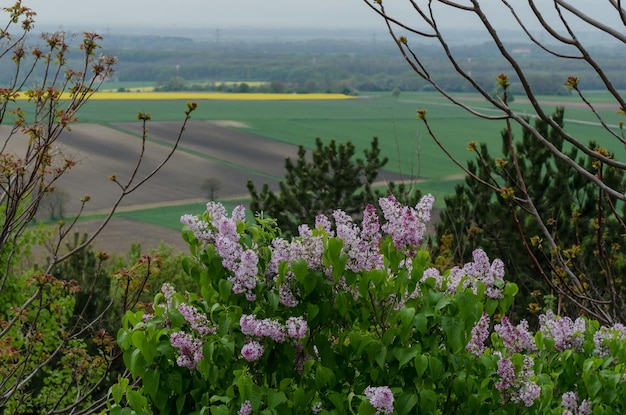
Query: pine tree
pixel 330 178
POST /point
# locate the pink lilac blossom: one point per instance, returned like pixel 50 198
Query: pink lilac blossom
pixel 480 333
pixel 515 338
pixel 168 292
pixel 480 270
pixel 604 335
pixel 146 317
pixel 323 223
pixel 361 246
pixel 272 329
pixel 199 227
pixel 405 225
pixel 197 320
pixel 569 400
pixel 433 273
pixel 380 398
pixel 252 351
pixel 567 334
pixel 245 409
pixel 296 327
pixel 216 211
pixel 519 388
pixel 189 349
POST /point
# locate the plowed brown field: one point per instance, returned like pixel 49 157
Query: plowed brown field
pixel 207 149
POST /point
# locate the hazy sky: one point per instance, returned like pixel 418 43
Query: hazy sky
pixel 255 13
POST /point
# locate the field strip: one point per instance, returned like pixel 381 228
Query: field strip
pixel 520 101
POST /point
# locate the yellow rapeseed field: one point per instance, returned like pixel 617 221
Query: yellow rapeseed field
pixel 193 96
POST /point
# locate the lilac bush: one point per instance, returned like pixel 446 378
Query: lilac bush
pixel 354 319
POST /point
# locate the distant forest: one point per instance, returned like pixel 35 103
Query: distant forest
pixel 335 65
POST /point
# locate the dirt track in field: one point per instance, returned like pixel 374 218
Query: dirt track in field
pixel 206 150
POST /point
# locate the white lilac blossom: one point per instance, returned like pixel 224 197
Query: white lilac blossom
pixel 605 335
pixel 245 409
pixel 481 270
pixel 518 388
pixel 515 338
pixel 189 349
pixel 480 333
pixel 380 398
pixel 252 351
pixel 406 225
pixel 567 334
pixel 569 400
pixel 197 320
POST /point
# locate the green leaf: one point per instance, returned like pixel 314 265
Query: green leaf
pixel 405 403
pixel 137 401
pixel 174 382
pixel 118 389
pixel 428 401
pixel 453 328
pixel 300 269
pixel 421 364
pixel 226 289
pixel 275 398
pixel 151 383
pixel 324 377
pixel 405 355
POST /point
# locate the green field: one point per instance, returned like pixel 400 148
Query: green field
pixel 403 138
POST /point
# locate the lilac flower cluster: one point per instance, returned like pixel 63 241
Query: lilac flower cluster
pixel 380 398
pixel 604 335
pixel 569 400
pixel 252 351
pixel 242 263
pixel 520 387
pixel 295 328
pixel 307 247
pixel 361 246
pixel 567 334
pixel 246 408
pixel 480 333
pixel 406 225
pixel 168 292
pixel 481 270
pixel 189 349
pixel 515 338
pixel 197 320
pixel 200 228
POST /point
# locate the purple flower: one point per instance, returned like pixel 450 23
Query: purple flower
pixel 406 225
pixel 480 270
pixel 272 329
pixel 197 320
pixel 246 408
pixel 567 334
pixel 189 349
pixel 168 292
pixel 605 335
pixel 199 227
pixel 480 333
pixel 380 398
pixel 296 327
pixel 519 388
pixel 248 323
pixel 252 351
pixel 361 246
pixel 516 339
pixel 569 400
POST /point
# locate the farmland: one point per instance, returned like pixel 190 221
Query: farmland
pixel 237 140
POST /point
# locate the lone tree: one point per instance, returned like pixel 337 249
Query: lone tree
pixel 331 178
pixel 211 186
pixel 555 29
